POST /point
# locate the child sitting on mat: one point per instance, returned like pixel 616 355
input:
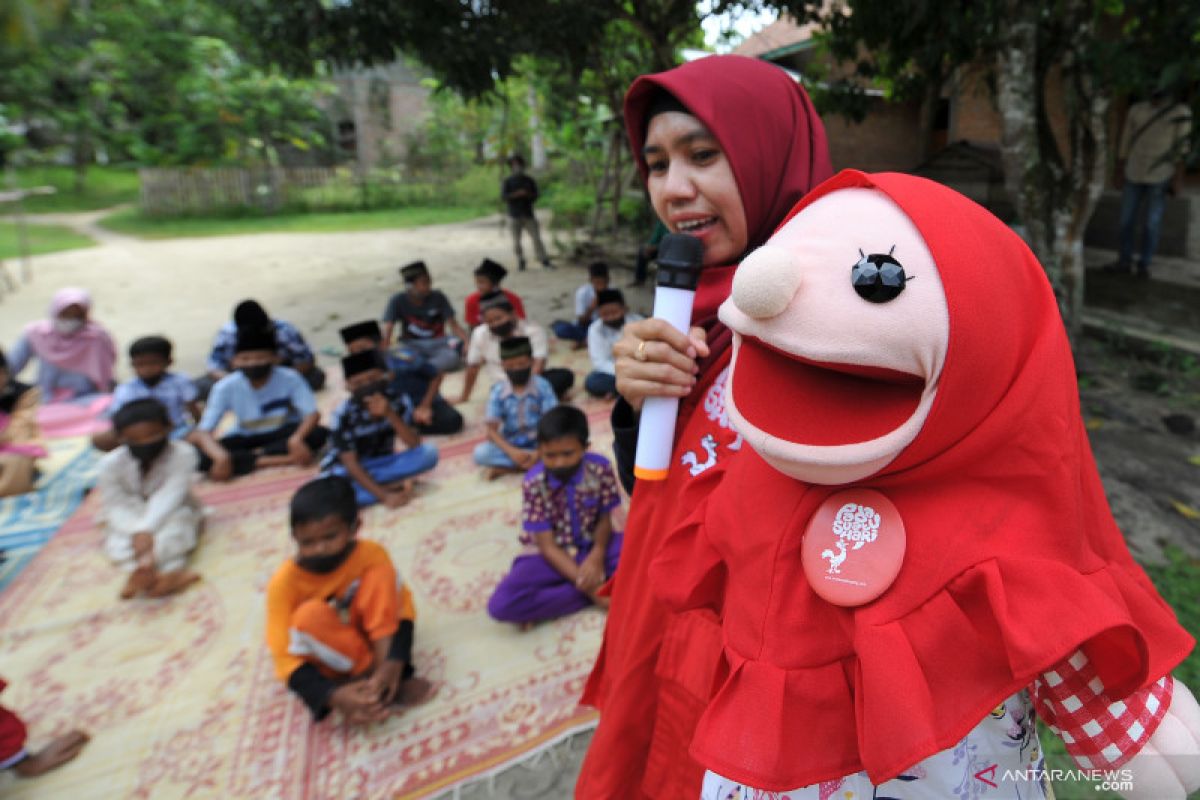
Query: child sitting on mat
pixel 339 619
pixel 365 428
pixel 513 409
pixel 151 519
pixel 277 418
pixel 150 357
pixel 571 548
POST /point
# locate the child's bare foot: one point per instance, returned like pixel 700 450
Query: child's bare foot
pixel 602 602
pixel 414 692
pixel 403 489
pixel 173 582
pixel 492 473
pixel 140 580
pixel 525 626
pixel 53 755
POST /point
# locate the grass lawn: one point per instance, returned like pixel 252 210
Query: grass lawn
pixel 40 238
pixel 130 221
pixel 104 187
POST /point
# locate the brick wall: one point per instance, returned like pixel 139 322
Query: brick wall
pixel 888 139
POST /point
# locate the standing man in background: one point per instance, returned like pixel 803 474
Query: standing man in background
pixel 1154 147
pixel 520 192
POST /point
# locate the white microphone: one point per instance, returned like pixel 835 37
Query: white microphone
pixel 679 259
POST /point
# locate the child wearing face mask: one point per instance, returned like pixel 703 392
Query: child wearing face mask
pixel 277 418
pixel 364 432
pixel 151 519
pixel 340 621
pixel 602 334
pixel 514 408
pixel 75 354
pixel 567 531
pixel 488 277
pixel 483 353
pixel 151 360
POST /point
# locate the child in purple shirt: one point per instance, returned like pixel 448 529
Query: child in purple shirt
pixel 571 547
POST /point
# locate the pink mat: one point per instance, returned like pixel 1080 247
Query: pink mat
pixel 80 418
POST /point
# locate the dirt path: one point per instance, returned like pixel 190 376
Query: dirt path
pixel 185 288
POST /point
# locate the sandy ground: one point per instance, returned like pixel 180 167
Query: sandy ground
pixel 186 288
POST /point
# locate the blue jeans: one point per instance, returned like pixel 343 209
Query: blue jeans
pixel 569 331
pixel 389 469
pixel 1132 196
pixel 489 454
pixel 600 384
pixel 440 352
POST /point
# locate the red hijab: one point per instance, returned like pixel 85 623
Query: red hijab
pixel 771 135
pixel 1013 558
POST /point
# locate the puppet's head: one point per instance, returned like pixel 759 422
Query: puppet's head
pixel 878 297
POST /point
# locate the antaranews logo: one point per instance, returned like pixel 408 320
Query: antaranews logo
pixel 1102 780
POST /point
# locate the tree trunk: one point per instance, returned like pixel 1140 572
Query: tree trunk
pixel 1055 193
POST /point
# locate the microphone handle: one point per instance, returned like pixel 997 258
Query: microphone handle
pixel 656 429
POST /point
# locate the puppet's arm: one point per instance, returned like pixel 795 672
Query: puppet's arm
pixel 688 571
pixel 1153 735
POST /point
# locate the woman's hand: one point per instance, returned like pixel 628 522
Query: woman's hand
pixel 653 359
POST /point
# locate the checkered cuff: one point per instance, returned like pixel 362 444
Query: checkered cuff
pixel 1099 733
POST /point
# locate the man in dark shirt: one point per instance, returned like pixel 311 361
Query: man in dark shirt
pixel 520 192
pixel 424 313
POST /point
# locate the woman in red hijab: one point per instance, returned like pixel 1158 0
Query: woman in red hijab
pixel 727 145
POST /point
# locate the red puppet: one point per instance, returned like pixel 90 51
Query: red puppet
pixel 915 551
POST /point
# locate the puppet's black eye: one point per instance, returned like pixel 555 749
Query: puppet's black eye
pixel 878 277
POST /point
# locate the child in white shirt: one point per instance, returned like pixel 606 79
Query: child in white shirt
pixel 150 516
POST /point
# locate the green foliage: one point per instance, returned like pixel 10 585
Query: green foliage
pixel 1176 580
pixel 158 82
pixel 39 239
pixel 471 47
pixel 103 187
pixel 130 222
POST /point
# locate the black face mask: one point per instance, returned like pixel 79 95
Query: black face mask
pixel 504 329
pixel 323 565
pixel 363 392
pixel 563 474
pixel 154 381
pixel 519 377
pixel 256 372
pixel 616 324
pixel 145 453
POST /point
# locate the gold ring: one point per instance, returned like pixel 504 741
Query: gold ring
pixel 641 351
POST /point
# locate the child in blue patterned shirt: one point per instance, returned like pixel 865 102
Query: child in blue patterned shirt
pixel 514 408
pixel 150 357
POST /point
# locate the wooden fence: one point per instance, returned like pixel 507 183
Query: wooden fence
pixel 182 191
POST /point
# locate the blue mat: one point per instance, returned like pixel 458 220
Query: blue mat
pixel 28 521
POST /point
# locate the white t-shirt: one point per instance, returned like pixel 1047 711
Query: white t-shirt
pixel 601 339
pixel 485 347
pixel 584 297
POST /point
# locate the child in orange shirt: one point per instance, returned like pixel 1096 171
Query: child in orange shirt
pixel 339 618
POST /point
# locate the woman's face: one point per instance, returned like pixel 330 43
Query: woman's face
pixel 73 311
pixel 692 187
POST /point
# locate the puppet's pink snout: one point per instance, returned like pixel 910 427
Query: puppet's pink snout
pixel 765 282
